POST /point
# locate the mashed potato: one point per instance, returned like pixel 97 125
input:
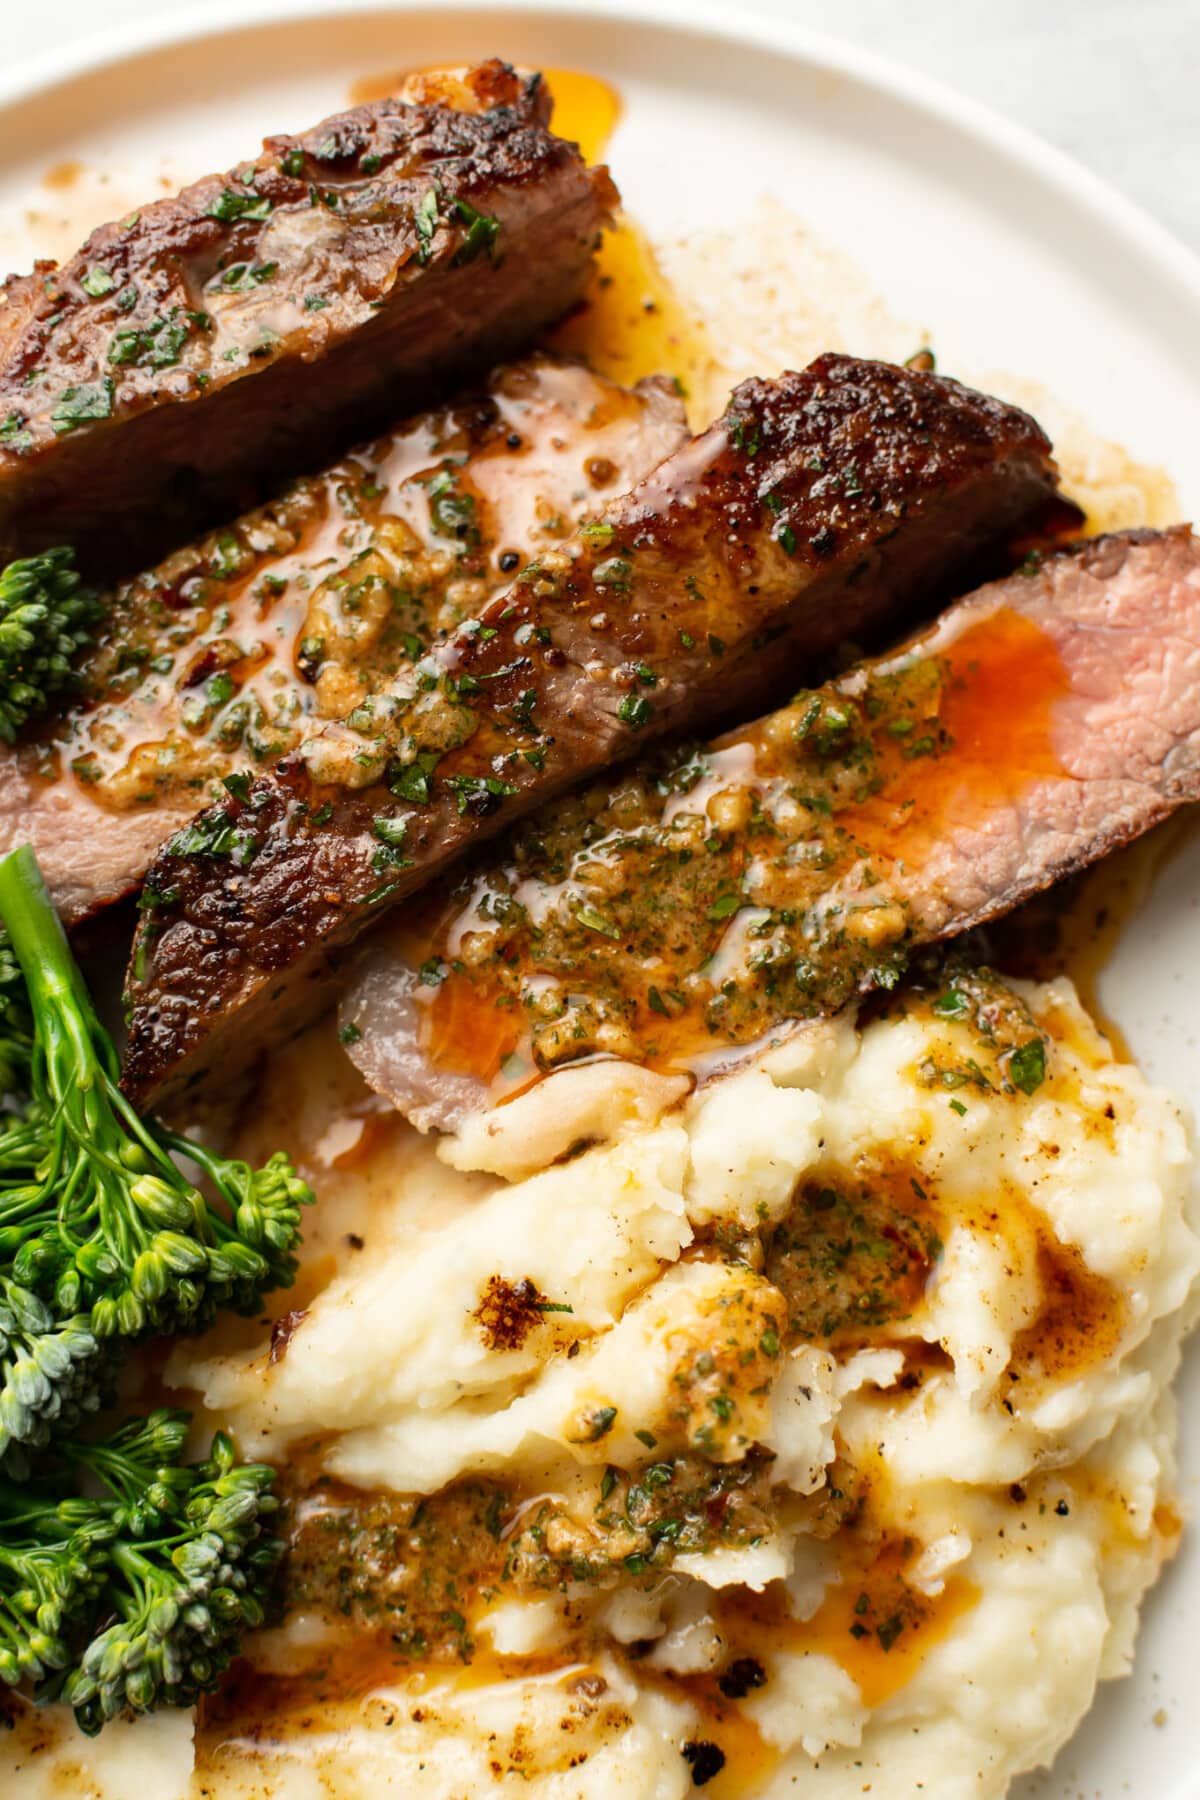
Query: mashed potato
pixel 813 1436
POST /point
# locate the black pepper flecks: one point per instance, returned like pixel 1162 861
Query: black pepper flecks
pixel 743 1675
pixel 706 1760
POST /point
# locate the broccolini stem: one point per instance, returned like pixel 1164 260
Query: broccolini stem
pixel 56 989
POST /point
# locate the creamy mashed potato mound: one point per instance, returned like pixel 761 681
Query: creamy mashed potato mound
pixel 812 1436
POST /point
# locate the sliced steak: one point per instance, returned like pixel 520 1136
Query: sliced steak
pixel 256 323
pixel 820 505
pixel 712 895
pixel 217 661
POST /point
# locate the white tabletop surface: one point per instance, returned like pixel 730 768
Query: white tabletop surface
pixel 1112 81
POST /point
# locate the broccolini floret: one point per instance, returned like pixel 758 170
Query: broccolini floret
pixel 47 615
pixel 103 1238
pixel 136 1598
pixel 53 1372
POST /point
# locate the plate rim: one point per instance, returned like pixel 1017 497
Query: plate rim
pixel 1072 180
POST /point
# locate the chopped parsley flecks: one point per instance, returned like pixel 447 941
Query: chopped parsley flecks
pixel 81 404
pixel 230 206
pixel 482 232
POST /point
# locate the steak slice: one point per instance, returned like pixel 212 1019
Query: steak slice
pixel 715 893
pixel 819 506
pixel 254 324
pixel 219 659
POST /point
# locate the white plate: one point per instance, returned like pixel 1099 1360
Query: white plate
pixel 1008 254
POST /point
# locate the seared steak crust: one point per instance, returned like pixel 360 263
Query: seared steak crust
pixel 819 506
pixel 246 328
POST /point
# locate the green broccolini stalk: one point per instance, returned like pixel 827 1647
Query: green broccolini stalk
pixel 16 1027
pixel 103 1238
pixel 137 1598
pixel 47 616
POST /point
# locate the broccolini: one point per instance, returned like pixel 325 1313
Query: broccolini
pixel 47 615
pixel 103 1238
pixel 138 1597
pixel 16 1026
